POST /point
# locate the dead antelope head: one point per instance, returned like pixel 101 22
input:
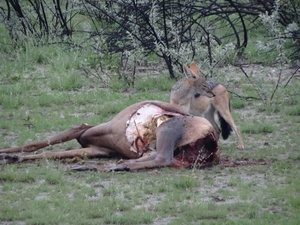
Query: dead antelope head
pixel 197 82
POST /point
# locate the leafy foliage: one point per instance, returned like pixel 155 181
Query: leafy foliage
pixel 122 34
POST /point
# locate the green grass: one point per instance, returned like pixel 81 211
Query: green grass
pixel 293 111
pixel 257 128
pixel 65 81
pixel 270 109
pixel 237 103
pixel 43 91
pixel 184 183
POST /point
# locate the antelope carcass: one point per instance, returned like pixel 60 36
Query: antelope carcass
pixel 148 134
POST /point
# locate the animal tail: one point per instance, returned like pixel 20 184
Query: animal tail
pixel 226 129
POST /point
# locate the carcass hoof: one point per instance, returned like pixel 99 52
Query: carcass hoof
pixel 8 159
pixel 83 168
pixel 118 167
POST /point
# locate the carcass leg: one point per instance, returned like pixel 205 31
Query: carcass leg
pixel 89 152
pixel 67 135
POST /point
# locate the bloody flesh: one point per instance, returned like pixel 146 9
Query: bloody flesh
pixel 200 153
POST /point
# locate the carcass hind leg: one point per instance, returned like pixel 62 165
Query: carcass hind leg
pixel 89 152
pixel 67 135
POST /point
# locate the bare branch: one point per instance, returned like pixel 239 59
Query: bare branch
pixel 248 78
pixel 291 77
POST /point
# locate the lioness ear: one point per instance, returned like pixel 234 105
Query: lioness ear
pixel 195 69
pixel 187 72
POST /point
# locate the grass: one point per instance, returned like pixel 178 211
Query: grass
pixel 257 128
pixel 293 111
pixel 42 92
pixel 237 103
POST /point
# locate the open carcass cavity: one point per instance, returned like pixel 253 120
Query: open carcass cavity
pixel 141 127
pixel 141 133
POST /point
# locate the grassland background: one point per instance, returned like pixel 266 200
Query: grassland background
pixel 43 91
